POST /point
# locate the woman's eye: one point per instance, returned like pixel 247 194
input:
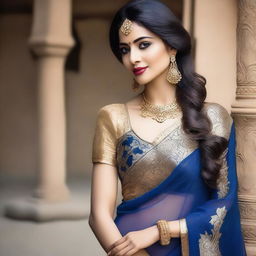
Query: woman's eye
pixel 124 50
pixel 144 45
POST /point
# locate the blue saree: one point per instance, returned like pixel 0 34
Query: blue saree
pixel 162 180
pixel 212 217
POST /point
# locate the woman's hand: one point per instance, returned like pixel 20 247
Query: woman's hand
pixel 134 241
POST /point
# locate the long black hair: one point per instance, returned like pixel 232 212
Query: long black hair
pixel 190 91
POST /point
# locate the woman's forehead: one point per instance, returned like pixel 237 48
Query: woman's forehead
pixel 136 31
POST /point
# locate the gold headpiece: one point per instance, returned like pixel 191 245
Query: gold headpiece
pixel 126 27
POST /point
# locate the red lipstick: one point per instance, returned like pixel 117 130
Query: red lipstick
pixel 139 71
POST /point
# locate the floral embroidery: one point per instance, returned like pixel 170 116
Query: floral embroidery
pixel 223 182
pixel 209 243
pixel 132 149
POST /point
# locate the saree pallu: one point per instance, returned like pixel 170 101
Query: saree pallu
pixel 212 216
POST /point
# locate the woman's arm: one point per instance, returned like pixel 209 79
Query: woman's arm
pixel 174 228
pixel 103 202
pixel 135 241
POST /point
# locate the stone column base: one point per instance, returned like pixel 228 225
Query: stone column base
pixel 40 211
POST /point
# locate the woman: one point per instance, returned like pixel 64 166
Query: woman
pixel 173 152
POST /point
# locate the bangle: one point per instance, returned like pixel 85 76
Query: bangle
pixel 164 232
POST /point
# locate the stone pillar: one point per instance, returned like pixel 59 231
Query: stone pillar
pixel 244 114
pixel 50 41
pixel 188 15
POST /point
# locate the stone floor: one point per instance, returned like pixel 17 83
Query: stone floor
pixel 58 238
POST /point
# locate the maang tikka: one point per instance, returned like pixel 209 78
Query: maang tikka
pixel 174 75
pixel 126 27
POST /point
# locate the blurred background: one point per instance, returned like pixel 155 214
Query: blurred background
pixel 56 72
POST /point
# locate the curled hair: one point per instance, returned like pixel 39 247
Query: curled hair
pixel 190 91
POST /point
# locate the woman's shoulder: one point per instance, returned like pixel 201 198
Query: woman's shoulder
pixel 214 106
pixel 114 115
pixel 113 112
pixel 216 111
pixel 220 118
pixel 117 111
pixel 112 108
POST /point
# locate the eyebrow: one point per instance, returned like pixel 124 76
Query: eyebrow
pixel 136 40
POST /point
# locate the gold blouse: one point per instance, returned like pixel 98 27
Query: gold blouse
pixel 144 169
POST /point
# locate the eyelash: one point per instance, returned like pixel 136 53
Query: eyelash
pixel 145 43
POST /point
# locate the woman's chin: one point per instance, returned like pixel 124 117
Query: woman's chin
pixel 142 81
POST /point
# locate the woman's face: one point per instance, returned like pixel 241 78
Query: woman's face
pixel 143 49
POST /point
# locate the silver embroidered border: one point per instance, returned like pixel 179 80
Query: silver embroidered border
pixel 209 243
pixel 223 182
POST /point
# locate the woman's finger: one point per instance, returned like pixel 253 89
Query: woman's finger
pixel 118 248
pixel 126 250
pixel 131 252
pixel 118 242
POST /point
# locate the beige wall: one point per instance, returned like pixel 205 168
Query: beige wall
pixel 215 33
pixel 18 132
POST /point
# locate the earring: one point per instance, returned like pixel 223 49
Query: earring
pixel 174 75
pixel 135 85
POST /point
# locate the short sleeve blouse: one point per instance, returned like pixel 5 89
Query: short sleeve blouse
pixel 111 124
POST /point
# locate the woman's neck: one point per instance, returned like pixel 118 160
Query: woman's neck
pixel 160 93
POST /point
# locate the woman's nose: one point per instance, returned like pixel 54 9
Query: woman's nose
pixel 135 56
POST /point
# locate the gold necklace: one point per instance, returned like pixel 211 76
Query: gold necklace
pixel 158 112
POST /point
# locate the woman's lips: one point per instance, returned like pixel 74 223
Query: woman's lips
pixel 139 71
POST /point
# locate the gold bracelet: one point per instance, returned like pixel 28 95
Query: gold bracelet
pixel 164 232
